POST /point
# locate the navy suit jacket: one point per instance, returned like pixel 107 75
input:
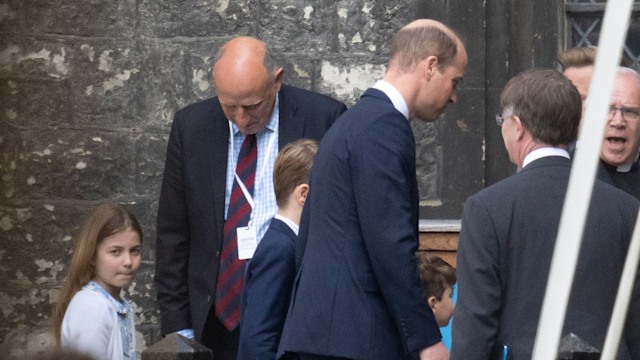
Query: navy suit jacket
pixel 191 208
pixel 358 293
pixel 266 293
pixel 506 243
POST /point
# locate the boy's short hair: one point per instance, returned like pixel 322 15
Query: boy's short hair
pixel 436 274
pixel 584 56
pixel 577 57
pixel 292 167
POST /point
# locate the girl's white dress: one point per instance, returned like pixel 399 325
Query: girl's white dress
pixel 99 325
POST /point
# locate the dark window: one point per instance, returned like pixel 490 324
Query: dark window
pixel 584 20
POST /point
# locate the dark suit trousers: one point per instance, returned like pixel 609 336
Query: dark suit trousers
pixel 216 337
pixel 299 356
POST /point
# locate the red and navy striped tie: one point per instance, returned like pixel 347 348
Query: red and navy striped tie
pixel 231 272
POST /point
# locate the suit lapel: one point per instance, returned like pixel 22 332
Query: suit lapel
pixel 217 132
pixel 289 129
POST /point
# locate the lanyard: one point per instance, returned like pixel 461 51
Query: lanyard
pixel 259 172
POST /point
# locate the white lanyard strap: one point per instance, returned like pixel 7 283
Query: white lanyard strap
pixel 260 172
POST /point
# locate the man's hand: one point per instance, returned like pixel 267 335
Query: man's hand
pixel 435 352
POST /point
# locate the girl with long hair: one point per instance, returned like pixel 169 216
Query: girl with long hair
pixel 91 316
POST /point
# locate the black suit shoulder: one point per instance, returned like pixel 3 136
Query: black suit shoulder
pixel 303 95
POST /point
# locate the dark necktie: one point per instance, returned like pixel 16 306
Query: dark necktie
pixel 231 272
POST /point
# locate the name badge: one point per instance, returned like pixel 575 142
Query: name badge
pixel 247 242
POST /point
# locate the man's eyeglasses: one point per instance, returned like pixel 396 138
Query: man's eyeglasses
pixel 628 113
pixel 500 118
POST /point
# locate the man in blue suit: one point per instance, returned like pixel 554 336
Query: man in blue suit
pixel 509 233
pixel 204 145
pixel 358 293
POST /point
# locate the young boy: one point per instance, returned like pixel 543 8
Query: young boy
pixel 271 271
pixel 438 278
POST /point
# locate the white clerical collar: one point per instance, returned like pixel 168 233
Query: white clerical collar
pixel 544 152
pixel 624 167
pixel 394 95
pixel 293 226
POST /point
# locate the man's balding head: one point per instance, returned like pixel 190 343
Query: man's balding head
pixel 247 80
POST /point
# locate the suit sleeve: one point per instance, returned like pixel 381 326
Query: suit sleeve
pixel 632 326
pixel 172 243
pixel 383 164
pixel 267 292
pixel 476 315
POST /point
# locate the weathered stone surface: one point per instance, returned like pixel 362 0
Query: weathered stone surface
pixel 177 347
pixel 572 347
pixel 428 163
pixel 26 57
pixel 102 18
pixel 10 11
pixel 353 27
pixel 166 19
pixel 200 56
pixel 28 103
pixel 347 79
pixel 103 84
pixel 73 164
pixel 37 238
pixel 165 84
pixel 150 155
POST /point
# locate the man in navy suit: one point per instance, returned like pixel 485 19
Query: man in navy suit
pixel 509 232
pixel 205 140
pixel 358 293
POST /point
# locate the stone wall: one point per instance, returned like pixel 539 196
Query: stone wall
pixel 88 90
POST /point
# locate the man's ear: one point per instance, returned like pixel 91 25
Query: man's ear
pixel 279 74
pixel 432 302
pixel 430 66
pixel 519 128
pixel 301 191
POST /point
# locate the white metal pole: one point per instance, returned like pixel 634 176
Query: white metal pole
pixel 576 204
pixel 627 282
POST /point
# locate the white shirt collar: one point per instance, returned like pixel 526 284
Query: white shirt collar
pixel 294 227
pixel 394 95
pixel 544 152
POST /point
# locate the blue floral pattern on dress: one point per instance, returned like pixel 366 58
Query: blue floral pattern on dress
pixel 125 322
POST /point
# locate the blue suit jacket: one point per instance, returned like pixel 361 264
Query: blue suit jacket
pixel 191 207
pixel 506 243
pixel 266 293
pixel 358 293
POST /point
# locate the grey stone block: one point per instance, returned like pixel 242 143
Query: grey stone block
pixel 28 58
pixel 34 103
pixel 573 347
pixel 103 83
pixel 167 19
pixel 165 83
pixel 150 155
pixel 10 18
pixel 87 165
pixel 177 347
pixel 101 18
